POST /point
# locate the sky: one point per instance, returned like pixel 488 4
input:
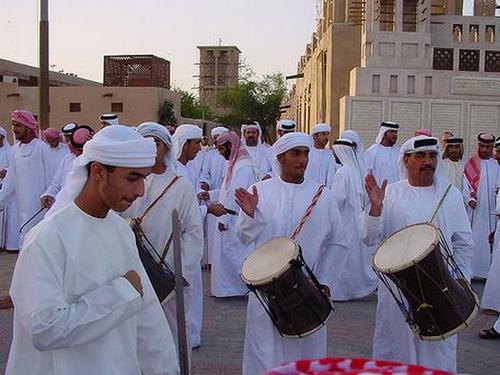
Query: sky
pixel 271 34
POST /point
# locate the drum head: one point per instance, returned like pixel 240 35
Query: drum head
pixel 405 247
pixel 269 261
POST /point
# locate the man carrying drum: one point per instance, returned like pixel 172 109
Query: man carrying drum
pixel 281 207
pixel 414 199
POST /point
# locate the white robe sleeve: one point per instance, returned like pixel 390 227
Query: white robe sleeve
pixel 56 182
pixel 372 228
pixel 249 228
pixel 466 192
pixel 8 183
pixel 46 156
pixel 53 321
pixel 243 178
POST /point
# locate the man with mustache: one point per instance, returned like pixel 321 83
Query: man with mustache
pixel 452 161
pixel 481 181
pixel 413 200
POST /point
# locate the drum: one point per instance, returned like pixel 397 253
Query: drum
pixel 160 274
pixel 287 289
pixel 418 261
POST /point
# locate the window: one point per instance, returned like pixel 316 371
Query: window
pixel 474 33
pixel 492 61
pixel 116 107
pixel 443 59
pixel 75 107
pixel 376 83
pixel 410 85
pixel 457 33
pixel 490 34
pixel 428 86
pixel 393 84
pixel 409 15
pixel 386 18
pixel 469 60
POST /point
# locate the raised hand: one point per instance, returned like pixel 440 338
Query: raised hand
pixel 247 201
pixel 375 193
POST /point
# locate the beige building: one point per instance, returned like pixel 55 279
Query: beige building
pixel 423 65
pixel 73 99
pixel 323 70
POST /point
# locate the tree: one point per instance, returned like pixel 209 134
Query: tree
pixel 166 114
pixel 191 107
pixel 252 99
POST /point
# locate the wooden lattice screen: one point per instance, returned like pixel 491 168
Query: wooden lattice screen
pixel 136 71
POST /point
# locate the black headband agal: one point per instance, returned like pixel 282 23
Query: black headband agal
pixel 344 143
pixel 391 125
pixel 489 140
pixel 454 141
pixel 425 142
pixel 287 126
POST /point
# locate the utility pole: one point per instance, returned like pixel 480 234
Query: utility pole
pixel 43 80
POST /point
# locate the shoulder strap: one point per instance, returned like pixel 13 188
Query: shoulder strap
pixel 167 188
pixel 308 212
pixel 438 206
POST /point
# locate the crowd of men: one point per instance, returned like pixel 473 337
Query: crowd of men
pixel 83 302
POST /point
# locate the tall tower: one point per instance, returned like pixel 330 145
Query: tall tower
pixel 219 68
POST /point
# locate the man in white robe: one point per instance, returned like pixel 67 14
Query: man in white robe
pixel 67 130
pixel 157 224
pixel 78 137
pixel 57 149
pixel 453 165
pixel 83 301
pixel 212 174
pixel 355 279
pixel 282 127
pixel 274 208
pixel 229 252
pixel 481 181
pixel 321 166
pixel 10 217
pixel 409 201
pixel 29 172
pixel 251 136
pixel 382 156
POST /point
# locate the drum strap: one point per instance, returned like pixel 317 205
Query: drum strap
pixel 308 212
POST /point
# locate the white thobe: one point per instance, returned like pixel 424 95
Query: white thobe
pixel 75 313
pixel 29 176
pixel 356 278
pixel 10 225
pixel 213 171
pixel 195 316
pixel 405 205
pixel 229 252
pixel 281 207
pixel 491 293
pixel 482 218
pixel 157 226
pixel 261 158
pixel 454 171
pixel 195 166
pixel 383 162
pixel 55 156
pixel 321 166
pixel 59 178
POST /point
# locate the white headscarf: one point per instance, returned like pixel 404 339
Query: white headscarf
pixel 254 125
pixel 182 134
pixel 286 125
pixel 118 146
pixel 3 133
pixel 384 127
pixel 153 129
pixel 347 152
pixel 218 130
pixel 109 118
pixel 288 142
pixel 321 128
pixel 360 147
pixel 409 147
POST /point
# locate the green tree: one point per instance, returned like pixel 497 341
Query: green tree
pixel 253 99
pixel 191 107
pixel 166 114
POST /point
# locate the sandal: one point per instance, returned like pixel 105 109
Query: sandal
pixel 489 334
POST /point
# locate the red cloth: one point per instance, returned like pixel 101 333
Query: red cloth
pixel 472 172
pixel 238 151
pixel 351 366
pixel 25 118
pixel 52 133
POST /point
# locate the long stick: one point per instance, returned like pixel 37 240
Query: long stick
pixel 179 296
pixel 31 218
pixel 439 204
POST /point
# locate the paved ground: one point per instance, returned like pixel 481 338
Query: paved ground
pixel 350 333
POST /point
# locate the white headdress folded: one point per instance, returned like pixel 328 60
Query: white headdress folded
pixel 118 146
pixel 182 134
pixel 384 127
pixel 321 128
pixel 109 118
pixel 290 141
pixel 218 130
pixel 3 133
pixel 286 125
pixel 153 129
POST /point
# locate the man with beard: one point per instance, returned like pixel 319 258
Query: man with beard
pixel 480 186
pixel 57 149
pixel 251 137
pixel 453 164
pixel 321 166
pixel 382 156
pixel 413 200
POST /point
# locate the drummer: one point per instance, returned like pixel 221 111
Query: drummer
pixel 267 212
pixel 412 200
